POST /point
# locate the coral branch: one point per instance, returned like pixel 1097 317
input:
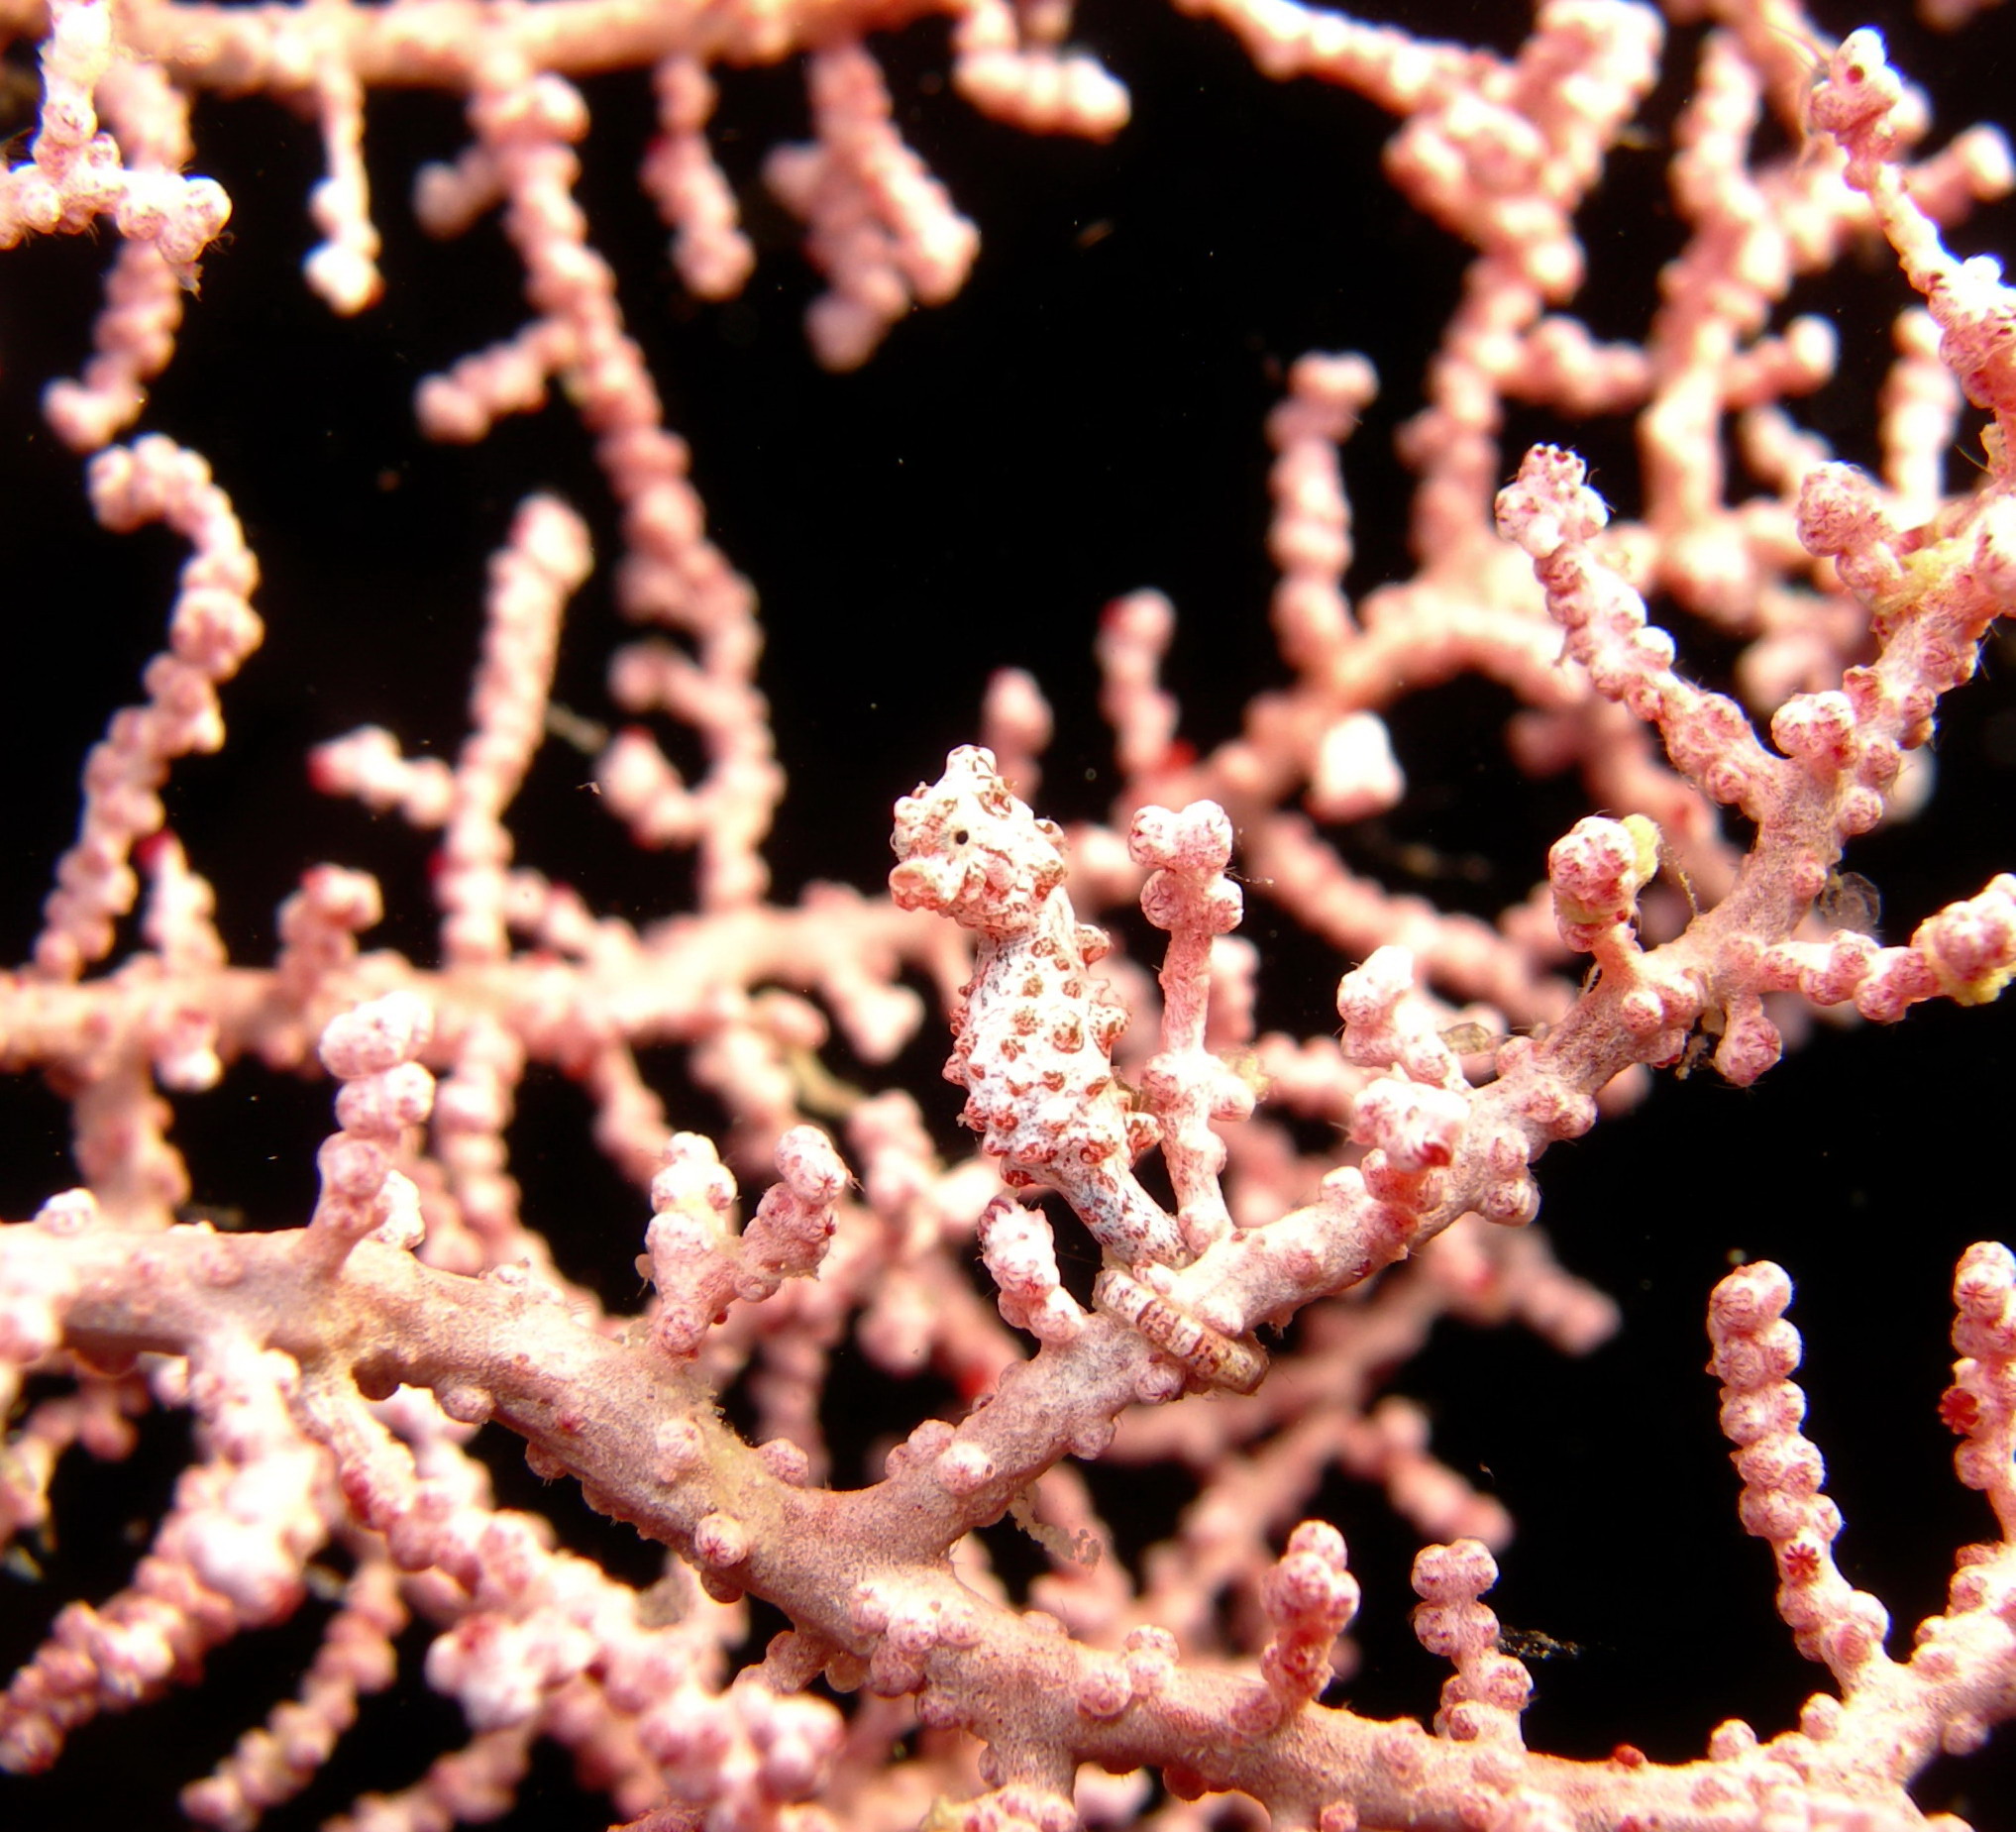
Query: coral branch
pixel 983 1479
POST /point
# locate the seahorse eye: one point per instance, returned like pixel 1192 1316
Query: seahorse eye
pixel 960 836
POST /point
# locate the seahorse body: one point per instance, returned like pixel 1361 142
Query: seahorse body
pixel 1033 1038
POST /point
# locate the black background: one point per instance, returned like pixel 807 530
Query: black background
pixel 1084 419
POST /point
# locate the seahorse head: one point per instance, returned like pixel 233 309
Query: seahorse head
pixel 970 851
